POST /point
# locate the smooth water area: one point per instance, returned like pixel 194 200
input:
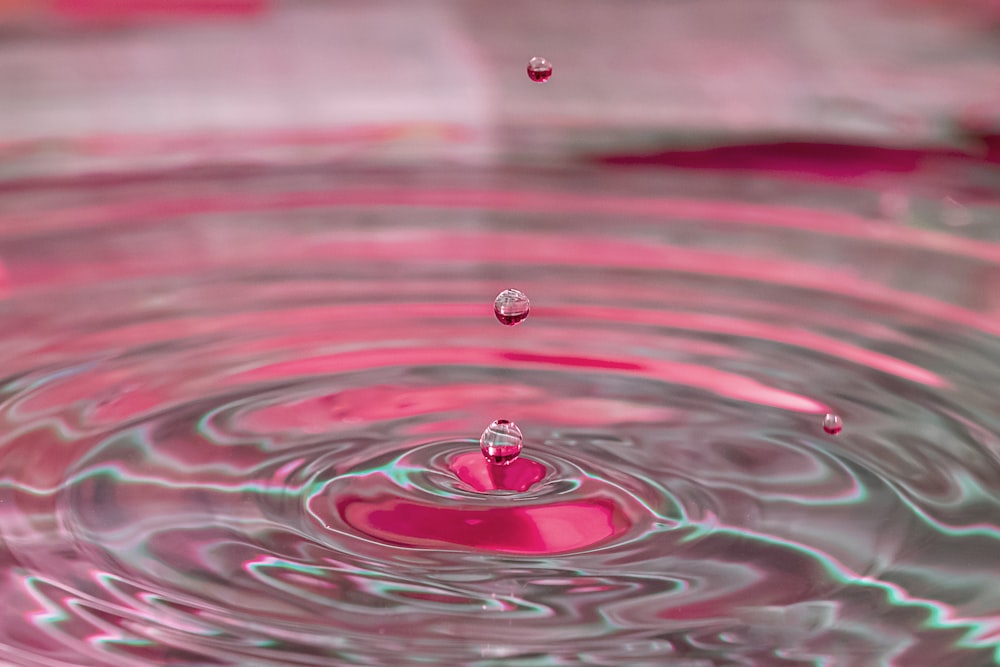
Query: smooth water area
pixel 241 408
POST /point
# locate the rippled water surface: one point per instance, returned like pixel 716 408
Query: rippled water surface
pixel 241 409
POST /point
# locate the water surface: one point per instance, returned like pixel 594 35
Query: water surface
pixel 241 408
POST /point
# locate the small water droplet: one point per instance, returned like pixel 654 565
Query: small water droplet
pixel 511 307
pixel 833 424
pixel 501 442
pixel 539 69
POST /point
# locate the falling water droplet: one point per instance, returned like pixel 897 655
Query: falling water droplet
pixel 832 424
pixel 501 442
pixel 539 69
pixel 511 306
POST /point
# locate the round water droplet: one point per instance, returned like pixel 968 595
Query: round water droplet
pixel 501 442
pixel 539 69
pixel 511 306
pixel 833 424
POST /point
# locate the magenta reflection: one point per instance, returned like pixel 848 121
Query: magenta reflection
pixel 551 528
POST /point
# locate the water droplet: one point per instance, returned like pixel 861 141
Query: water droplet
pixel 511 306
pixel 833 424
pixel 501 442
pixel 539 69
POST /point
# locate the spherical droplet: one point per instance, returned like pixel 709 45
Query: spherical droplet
pixel 501 442
pixel 539 69
pixel 833 424
pixel 511 307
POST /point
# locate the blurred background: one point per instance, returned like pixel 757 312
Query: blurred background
pixel 115 85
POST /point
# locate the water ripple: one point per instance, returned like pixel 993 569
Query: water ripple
pixel 261 448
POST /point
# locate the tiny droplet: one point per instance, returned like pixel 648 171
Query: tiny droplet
pixel 511 307
pixel 539 69
pixel 501 442
pixel 833 424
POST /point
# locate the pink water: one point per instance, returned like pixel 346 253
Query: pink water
pixel 240 412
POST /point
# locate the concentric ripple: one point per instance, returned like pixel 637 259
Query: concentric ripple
pixel 241 429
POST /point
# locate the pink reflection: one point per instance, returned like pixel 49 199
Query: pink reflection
pixel 832 223
pixel 520 475
pixel 810 160
pixel 700 322
pixel 126 145
pixel 539 529
pixel 368 404
pixel 596 252
pixel 730 385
